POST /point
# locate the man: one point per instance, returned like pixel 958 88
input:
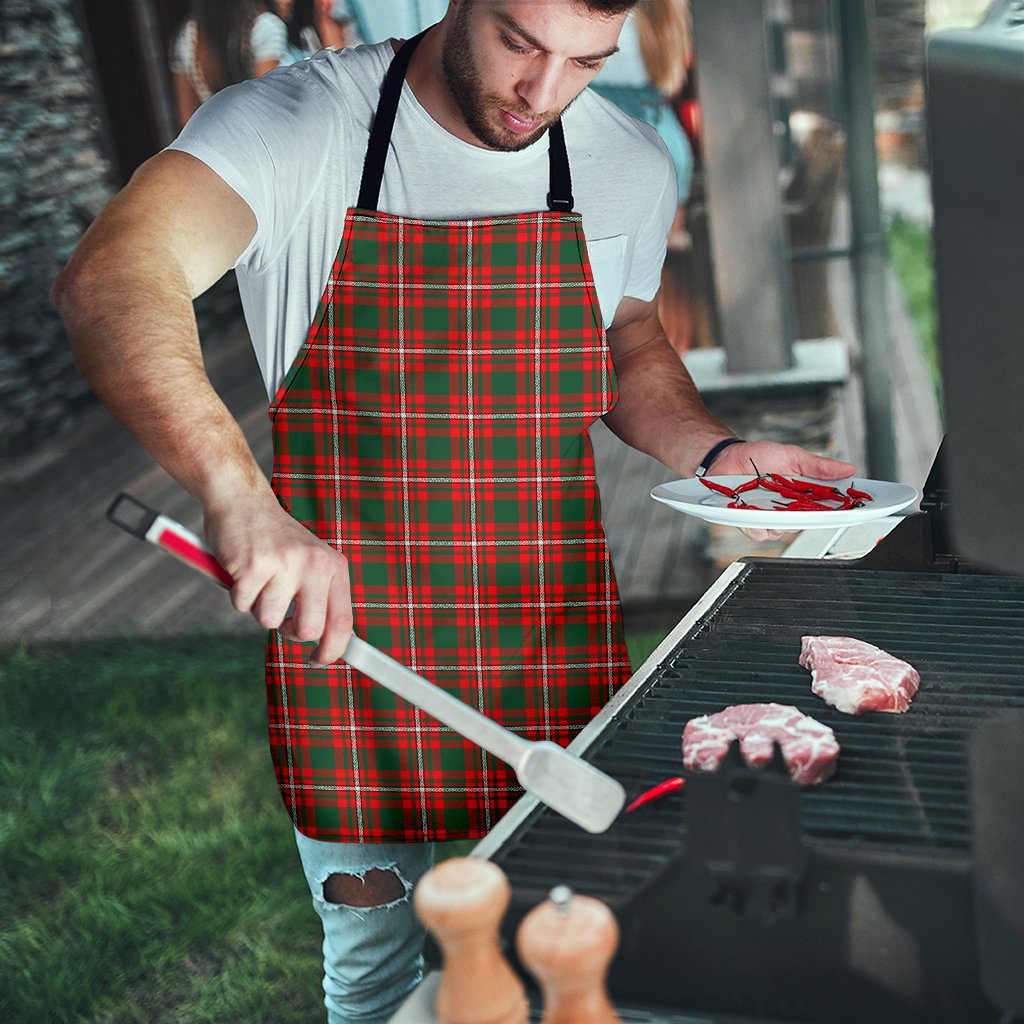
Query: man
pixel 430 427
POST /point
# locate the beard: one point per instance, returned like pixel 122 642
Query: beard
pixel 465 84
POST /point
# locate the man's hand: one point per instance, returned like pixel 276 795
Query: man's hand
pixel 772 457
pixel 285 577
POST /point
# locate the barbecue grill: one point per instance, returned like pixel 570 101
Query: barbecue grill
pixel 894 892
pixel 747 897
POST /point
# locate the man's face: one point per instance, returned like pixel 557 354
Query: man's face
pixel 513 66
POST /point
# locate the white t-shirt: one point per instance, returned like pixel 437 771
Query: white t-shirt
pixel 292 144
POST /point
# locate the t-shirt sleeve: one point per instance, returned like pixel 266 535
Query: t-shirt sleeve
pixel 269 38
pixel 644 278
pixel 269 140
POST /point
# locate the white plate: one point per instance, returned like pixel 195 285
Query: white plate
pixel 693 498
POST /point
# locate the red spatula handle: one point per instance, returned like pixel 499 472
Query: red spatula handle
pixel 146 523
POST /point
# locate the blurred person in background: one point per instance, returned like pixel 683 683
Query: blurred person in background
pixel 314 25
pixel 373 21
pixel 646 78
pixel 221 43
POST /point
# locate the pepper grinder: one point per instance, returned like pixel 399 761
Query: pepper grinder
pixel 462 901
pixel 567 943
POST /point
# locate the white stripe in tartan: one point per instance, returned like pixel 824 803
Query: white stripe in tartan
pixel 473 523
pixel 538 454
pixel 377 414
pixel 439 667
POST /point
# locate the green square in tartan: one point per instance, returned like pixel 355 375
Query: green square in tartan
pixel 367 251
pixel 513 698
pixel 391 819
pixel 435 319
pixel 303 507
pixel 442 574
pixel 302 443
pixel 316 696
pixel 369 446
pixel 505 383
pixel 452 759
pixel 570 249
pixel 510 636
pixel 575 572
pixel 437 382
pixel 382 699
pixel 510 574
pixel 366 317
pixel 388 759
pixel 577 695
pixel 437 449
pixel 504 254
pixel 574 510
pixel 576 634
pixel 366 380
pixel 371 510
pixel 570 318
pixel 504 319
pixel 436 254
pixel 378 634
pixel 504 510
pixel 439 510
pixel 444 637
pixel 321 758
pixel 373 574
pixel 505 449
pixel 570 382
pixel 456 819
pixel 327 819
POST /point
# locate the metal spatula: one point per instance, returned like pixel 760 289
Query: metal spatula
pixel 574 788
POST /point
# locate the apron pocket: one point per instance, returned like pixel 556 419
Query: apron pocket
pixel 608 268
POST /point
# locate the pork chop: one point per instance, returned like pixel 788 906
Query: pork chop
pixel 809 748
pixel 854 676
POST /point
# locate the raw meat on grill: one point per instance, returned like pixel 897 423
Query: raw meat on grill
pixel 809 748
pixel 855 677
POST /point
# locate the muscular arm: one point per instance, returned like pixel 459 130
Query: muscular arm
pixel 126 299
pixel 659 410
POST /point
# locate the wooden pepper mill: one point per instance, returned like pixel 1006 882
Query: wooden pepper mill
pixel 567 943
pixel 462 901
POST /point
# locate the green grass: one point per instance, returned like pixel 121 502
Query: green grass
pixel 147 867
pixel 910 248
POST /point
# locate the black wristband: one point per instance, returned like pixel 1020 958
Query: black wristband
pixel 705 463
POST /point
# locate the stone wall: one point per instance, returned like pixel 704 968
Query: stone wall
pixel 54 178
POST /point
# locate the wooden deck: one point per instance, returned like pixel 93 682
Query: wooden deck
pixel 70 574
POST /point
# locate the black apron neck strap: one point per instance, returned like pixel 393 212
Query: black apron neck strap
pixel 559 199
pixel 383 122
pixel 560 195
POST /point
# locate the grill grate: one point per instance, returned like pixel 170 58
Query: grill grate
pixel 901 786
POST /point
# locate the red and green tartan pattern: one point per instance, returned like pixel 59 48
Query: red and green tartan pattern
pixel 434 429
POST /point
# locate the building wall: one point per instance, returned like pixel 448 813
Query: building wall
pixel 54 178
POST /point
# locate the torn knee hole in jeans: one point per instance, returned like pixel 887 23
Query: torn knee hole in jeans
pixel 377 887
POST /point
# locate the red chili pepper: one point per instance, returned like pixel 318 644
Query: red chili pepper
pixel 807 505
pixel 862 495
pixel 656 793
pixel 721 488
pixel 749 485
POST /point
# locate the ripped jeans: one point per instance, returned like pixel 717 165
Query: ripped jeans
pixel 373 943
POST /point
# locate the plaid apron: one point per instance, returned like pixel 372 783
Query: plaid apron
pixel 434 429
